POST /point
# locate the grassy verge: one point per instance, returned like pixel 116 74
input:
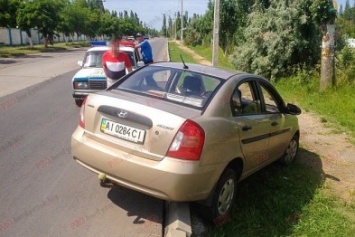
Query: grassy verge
pixel 175 52
pixel 223 60
pixel 286 201
pixel 14 51
pixel 336 105
pixel 292 201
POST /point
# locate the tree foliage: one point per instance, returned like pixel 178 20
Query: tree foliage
pixel 199 30
pixel 8 10
pixel 71 17
pixel 323 11
pixel 346 21
pixel 278 39
pixel 40 14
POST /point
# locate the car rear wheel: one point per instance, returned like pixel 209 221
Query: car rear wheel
pixel 78 102
pixel 291 151
pixel 223 197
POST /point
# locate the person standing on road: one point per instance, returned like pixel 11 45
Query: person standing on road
pixel 146 49
pixel 115 62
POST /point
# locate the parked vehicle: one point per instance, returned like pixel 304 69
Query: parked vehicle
pixel 91 77
pixel 185 132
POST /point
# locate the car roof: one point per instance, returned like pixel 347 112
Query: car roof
pixel 203 69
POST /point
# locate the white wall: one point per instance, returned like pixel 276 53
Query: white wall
pixel 15 36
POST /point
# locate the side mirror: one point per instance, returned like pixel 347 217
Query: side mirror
pixel 293 109
pixel 80 63
pixel 140 63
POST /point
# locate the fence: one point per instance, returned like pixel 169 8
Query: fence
pixel 13 36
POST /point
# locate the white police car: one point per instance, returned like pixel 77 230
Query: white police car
pixel 91 77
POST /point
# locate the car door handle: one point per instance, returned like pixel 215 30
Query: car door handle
pixel 246 128
pixel 274 123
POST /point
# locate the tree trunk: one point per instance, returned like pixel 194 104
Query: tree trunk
pixel 28 32
pixel 45 42
pixel 327 68
pixel 30 41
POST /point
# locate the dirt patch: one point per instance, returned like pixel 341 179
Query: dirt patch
pixel 335 150
pixel 336 153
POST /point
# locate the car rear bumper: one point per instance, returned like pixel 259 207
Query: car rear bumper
pixel 168 179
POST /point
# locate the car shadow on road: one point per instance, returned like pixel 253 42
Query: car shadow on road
pixel 270 202
pixel 7 61
pixel 144 210
pixel 37 56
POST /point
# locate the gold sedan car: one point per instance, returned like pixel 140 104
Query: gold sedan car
pixel 185 132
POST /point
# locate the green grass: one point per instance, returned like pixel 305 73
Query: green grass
pixel 336 105
pixel 286 201
pixel 294 201
pixel 175 52
pixel 14 51
pixel 206 52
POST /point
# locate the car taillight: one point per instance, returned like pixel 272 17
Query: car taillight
pixel 82 118
pixel 188 142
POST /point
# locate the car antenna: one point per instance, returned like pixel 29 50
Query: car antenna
pixel 183 62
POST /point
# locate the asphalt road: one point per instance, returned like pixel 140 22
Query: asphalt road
pixel 43 192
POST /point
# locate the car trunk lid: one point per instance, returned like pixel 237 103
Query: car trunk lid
pixel 138 125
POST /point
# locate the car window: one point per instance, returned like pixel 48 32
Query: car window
pixel 244 100
pixel 93 59
pixel 271 105
pixel 172 84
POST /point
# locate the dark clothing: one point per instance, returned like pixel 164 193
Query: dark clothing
pixel 146 51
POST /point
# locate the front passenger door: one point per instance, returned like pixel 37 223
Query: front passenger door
pixel 254 126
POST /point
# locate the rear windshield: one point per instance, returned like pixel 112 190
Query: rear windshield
pixel 172 84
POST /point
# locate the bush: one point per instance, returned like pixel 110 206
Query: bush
pixel 278 40
pixel 345 64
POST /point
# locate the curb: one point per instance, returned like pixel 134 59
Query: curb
pixel 178 220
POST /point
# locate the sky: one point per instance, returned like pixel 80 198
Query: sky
pixel 342 2
pixel 151 11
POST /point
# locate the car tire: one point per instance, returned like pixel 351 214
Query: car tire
pixel 223 197
pixel 291 151
pixel 79 102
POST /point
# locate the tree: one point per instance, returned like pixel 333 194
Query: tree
pixel 324 14
pixel 164 28
pixel 233 15
pixel 66 25
pixel 40 14
pixel 346 21
pixel 8 12
pixel 109 24
pixel 278 39
pixel 200 28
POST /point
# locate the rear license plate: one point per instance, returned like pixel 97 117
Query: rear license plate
pixel 122 131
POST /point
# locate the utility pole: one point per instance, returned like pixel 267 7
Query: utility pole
pixel 182 22
pixel 215 33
